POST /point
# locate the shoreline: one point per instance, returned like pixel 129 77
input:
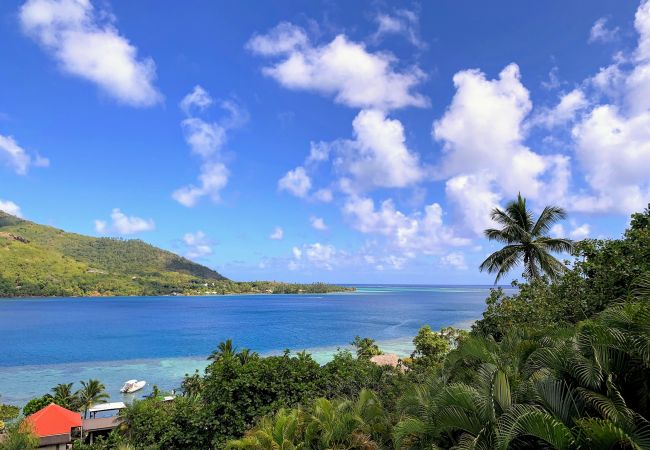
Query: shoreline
pixel 166 373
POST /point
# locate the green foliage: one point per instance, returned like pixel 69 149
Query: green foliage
pixel 91 393
pixel 36 404
pixel 366 348
pixel 603 273
pixel 327 424
pixel 8 412
pixel 18 437
pixel 526 241
pixel 44 261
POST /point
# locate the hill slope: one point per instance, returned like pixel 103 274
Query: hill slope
pixel 41 260
pixel 38 260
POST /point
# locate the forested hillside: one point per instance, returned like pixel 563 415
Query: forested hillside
pixel 38 260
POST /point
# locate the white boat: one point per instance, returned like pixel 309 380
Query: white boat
pixel 132 386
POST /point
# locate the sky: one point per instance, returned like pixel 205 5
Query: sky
pixel 324 140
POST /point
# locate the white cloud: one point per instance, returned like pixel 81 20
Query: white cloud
pixel 318 223
pixel 323 256
pixel 123 224
pixel 455 260
pixel 600 33
pixel 10 208
pixel 581 232
pixel 277 235
pixel 475 198
pixel 87 45
pixel 417 233
pixel 565 111
pixel 197 245
pixel 614 152
pixel 198 99
pixel 642 25
pixel 378 156
pixel 483 133
pixel 282 39
pixel 212 179
pixel 612 143
pixel 341 68
pixel 206 139
pixel 318 152
pixel 17 157
pixel 402 22
pixel 323 195
pixel 296 182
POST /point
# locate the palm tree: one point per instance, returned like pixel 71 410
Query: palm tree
pixel 246 355
pixel 91 392
pixel 63 396
pixel 283 431
pixel 526 241
pixel 225 349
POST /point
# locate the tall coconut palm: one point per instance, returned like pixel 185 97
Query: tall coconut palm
pixel 63 396
pixel 91 392
pixel 526 241
pixel 225 349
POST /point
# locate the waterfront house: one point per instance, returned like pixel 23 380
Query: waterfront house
pixel 55 426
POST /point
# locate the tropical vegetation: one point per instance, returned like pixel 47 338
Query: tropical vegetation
pixel 526 241
pixel 39 260
pixel 563 363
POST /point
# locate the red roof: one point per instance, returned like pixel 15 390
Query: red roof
pixel 53 419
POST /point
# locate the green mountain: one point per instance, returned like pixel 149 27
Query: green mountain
pixel 38 260
pixel 41 260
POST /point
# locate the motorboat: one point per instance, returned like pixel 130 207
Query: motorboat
pixel 132 386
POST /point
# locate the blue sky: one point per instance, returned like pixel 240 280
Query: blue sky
pixel 317 141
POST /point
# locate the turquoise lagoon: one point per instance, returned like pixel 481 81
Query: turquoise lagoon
pixel 47 341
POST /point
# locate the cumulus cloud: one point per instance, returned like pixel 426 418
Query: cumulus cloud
pixel 402 22
pixel 422 232
pixel 601 33
pixel 317 255
pixel 88 45
pixel 122 224
pixel 323 195
pixel 198 99
pixel 197 245
pixel 277 235
pixel 296 182
pixel 484 155
pixel 580 232
pixel 318 223
pixel 213 177
pixel 454 260
pixel 341 68
pixel 476 199
pixel 17 158
pixel 10 208
pixel 207 139
pixel 565 111
pixel 378 156
pixel 612 141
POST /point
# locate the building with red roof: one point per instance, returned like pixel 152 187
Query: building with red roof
pixel 55 426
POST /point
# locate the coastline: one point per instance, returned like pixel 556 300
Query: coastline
pixel 165 373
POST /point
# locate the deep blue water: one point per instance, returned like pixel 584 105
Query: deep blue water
pixel 44 340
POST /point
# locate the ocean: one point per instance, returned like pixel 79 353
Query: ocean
pixel 46 341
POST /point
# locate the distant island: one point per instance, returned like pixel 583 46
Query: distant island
pixel 42 261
